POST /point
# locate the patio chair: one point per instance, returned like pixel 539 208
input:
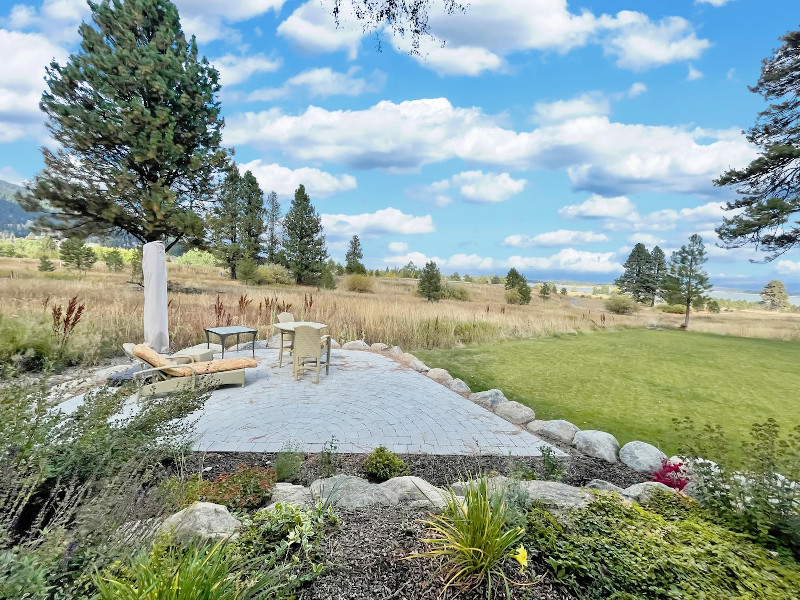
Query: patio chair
pixel 287 337
pixel 311 350
pixel 183 372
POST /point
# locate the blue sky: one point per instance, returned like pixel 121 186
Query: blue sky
pixel 545 135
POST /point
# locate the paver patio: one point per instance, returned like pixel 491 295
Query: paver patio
pixel 368 400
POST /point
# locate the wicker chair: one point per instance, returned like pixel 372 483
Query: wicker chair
pixel 311 350
pixel 287 337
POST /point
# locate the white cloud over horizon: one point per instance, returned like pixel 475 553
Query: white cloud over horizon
pixel 284 181
pixel 387 220
pixel 562 237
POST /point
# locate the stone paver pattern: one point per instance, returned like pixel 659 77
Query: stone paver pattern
pixel 367 400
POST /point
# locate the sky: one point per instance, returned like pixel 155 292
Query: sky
pixel 545 135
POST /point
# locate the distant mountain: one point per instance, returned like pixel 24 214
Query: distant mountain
pixel 12 218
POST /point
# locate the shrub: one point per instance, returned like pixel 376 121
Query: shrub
pixel 363 284
pixel 383 464
pixel 454 292
pixel 551 468
pixel 667 549
pixel 196 257
pixel 672 309
pixel 620 304
pixel 247 270
pixel 473 539
pixel 513 296
pixel 245 488
pixel 327 281
pixel 273 274
pixel 114 261
pixel 288 462
pixel 713 307
pixel 46 265
pixel 672 475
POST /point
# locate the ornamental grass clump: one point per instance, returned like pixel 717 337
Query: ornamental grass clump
pixel 472 540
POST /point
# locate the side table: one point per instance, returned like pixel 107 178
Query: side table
pixel 224 332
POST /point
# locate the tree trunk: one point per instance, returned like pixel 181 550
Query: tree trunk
pixel 686 320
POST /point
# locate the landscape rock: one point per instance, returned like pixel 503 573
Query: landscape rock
pixel 260 345
pixel 101 376
pixel 288 493
pixel 396 351
pixel 642 457
pixel 488 399
pixel 641 492
pixel 556 496
pixel 598 444
pixel 415 491
pixel 274 341
pixel 498 482
pixel 515 412
pixel 379 347
pixel 335 344
pixel 440 376
pixel 558 429
pixel 202 521
pixel 606 486
pixel 347 491
pixel 459 387
pixel 356 345
pixel 419 366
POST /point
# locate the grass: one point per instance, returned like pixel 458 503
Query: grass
pixel 632 383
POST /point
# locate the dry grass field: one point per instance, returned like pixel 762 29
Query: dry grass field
pixel 393 314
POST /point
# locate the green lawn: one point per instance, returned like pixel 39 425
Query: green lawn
pixel 632 383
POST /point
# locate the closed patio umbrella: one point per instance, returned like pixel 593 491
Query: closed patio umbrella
pixel 154 269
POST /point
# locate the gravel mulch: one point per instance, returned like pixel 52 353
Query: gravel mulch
pixel 366 556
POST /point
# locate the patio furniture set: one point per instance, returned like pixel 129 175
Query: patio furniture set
pixel 187 368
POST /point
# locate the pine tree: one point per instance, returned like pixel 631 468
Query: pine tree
pixel 430 282
pixel 544 291
pixel 223 223
pixel 247 270
pixel 564 291
pixel 686 283
pixel 516 281
pixel 774 295
pixel 75 254
pixel 304 242
pixel 273 219
pixel 46 265
pixel 113 260
pixel 252 224
pixel 769 187
pixel 636 280
pixel 658 270
pixel 353 257
pixel 136 120
pixel 328 282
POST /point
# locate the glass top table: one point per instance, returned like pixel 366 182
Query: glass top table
pixel 224 332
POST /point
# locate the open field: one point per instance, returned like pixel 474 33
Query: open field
pixel 633 383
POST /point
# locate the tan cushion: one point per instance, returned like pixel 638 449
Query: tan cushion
pixel 154 359
pixel 224 364
pixel 150 356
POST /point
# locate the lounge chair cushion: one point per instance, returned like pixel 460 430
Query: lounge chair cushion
pixel 153 358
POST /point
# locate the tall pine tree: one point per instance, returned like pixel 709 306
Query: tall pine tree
pixel 137 127
pixel 354 256
pixel 658 270
pixel 429 285
pixel 252 219
pixel 304 243
pixel 223 223
pixel 687 283
pixel 273 220
pixel 635 281
pixel 774 295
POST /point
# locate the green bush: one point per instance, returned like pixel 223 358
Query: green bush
pixel 672 309
pixel 472 539
pixel 25 345
pixel 363 284
pixel 383 464
pixel 620 304
pixel 454 292
pixel 196 258
pixel 713 307
pixel 247 270
pixel 513 296
pixel 666 549
pixel 23 575
pixel 288 461
pixel 273 274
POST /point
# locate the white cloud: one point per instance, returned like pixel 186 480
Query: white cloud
pixel 570 260
pixel 599 207
pixel 636 89
pixel 22 15
pixel 22 82
pixel 476 186
pixel 731 75
pixel 398 247
pixel 788 267
pixel 641 44
pixel 311 28
pixel 284 181
pixel 324 82
pixel 562 237
pixel 387 220
pixel 716 3
pixel 236 69
pixel 599 155
pixel 11 175
pixel 209 20
pixel 694 74
pixel 648 239
pixel 586 105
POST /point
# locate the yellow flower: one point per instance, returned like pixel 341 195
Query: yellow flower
pixel 521 556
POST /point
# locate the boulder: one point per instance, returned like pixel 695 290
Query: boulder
pixel 378 347
pixel 598 444
pixel 557 429
pixel 407 357
pixel 556 496
pixel 260 345
pixel 396 351
pixel 515 412
pixel 641 492
pixel 347 491
pixel 642 457
pixel 288 493
pixel 415 491
pixel 202 521
pixel 458 386
pixel 419 366
pixel 498 482
pixel 440 376
pixel 335 344
pixel 488 399
pixel 606 486
pixel 356 345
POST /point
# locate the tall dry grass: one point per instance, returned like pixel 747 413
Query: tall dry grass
pixel 393 314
